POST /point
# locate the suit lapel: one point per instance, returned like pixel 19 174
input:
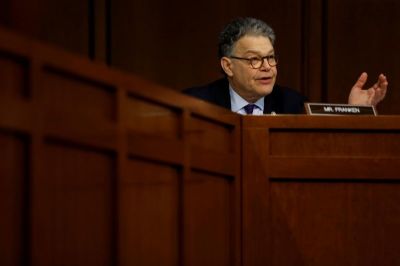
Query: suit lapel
pixel 268 104
pixel 222 95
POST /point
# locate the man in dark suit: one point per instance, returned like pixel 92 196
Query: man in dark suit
pixel 249 63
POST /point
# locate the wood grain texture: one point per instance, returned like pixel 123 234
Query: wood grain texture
pixel 320 191
pixel 97 166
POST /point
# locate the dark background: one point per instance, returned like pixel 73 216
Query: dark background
pixel 323 46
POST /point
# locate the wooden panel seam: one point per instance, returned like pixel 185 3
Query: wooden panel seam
pixel 332 167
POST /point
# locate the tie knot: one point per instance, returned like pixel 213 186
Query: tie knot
pixel 249 108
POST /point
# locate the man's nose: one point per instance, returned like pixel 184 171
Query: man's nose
pixel 265 65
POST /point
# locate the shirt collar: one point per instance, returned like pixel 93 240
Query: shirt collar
pixel 237 102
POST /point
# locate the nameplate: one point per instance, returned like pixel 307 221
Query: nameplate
pixel 338 109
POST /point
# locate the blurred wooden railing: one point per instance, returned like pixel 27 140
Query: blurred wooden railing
pixel 98 167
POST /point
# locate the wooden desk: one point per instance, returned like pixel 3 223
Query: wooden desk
pixel 321 190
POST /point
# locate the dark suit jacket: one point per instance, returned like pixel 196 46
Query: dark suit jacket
pixel 281 101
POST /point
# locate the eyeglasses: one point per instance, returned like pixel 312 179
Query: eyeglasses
pixel 257 62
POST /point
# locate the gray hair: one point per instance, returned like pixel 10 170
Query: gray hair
pixel 240 27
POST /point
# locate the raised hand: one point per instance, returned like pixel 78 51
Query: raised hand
pixel 371 96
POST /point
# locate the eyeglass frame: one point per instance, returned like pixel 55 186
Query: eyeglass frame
pixel 258 58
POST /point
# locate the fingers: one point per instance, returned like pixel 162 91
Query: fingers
pixel 379 96
pixel 371 96
pixel 382 81
pixel 361 81
pixel 379 88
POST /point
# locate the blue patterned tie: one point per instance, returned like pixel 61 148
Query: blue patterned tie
pixel 249 109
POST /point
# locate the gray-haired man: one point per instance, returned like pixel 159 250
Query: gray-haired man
pixel 249 62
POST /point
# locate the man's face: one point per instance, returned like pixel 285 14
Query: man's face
pixel 251 84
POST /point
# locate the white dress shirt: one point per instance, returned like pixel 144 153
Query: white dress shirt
pixel 238 103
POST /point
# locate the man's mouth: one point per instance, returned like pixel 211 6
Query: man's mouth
pixel 265 80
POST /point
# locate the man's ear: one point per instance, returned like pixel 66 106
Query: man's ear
pixel 226 65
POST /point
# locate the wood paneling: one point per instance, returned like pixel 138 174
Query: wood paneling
pixel 97 164
pixel 64 23
pixel 321 190
pixel 333 142
pixel 14 196
pixel 13 77
pixel 208 241
pixel 149 118
pixel 208 135
pixel 357 224
pixel 166 39
pixel 73 204
pixel 90 100
pixel 149 214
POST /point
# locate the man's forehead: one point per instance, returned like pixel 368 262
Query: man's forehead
pixel 254 44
